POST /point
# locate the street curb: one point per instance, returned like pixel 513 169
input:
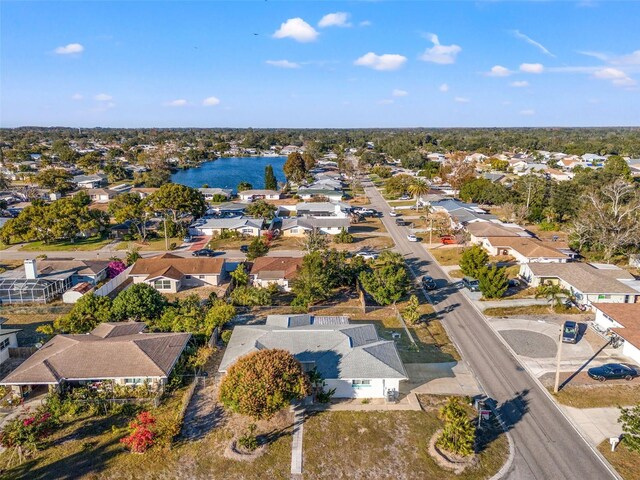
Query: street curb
pixel 600 457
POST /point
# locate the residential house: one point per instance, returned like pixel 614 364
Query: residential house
pixel 8 339
pixel 322 209
pixel 101 195
pixel 275 270
pixel 351 358
pixel 331 195
pixel 170 273
pixel 624 320
pixel 524 250
pixel 242 225
pixel 461 213
pixel 89 181
pixel 143 192
pixel 209 193
pixel 588 283
pixel 119 352
pixel 479 231
pixel 251 195
pixel 298 226
pixel 557 175
pixel 41 281
pixel 288 149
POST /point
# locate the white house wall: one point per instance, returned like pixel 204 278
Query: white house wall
pixel 631 351
pixel 377 389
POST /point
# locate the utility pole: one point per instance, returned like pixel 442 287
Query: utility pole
pixel 166 239
pixel 430 231
pixel 557 384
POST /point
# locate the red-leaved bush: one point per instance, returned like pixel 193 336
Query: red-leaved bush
pixel 115 268
pixel 141 437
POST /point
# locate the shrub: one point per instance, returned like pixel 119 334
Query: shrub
pixel 343 237
pixel 141 437
pixel 262 383
pixel 248 440
pixel 226 336
pixel 473 260
pixel 28 434
pixel 115 268
pixel 493 281
pixel 459 434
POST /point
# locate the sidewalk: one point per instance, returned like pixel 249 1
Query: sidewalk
pixel 597 424
pixel 408 402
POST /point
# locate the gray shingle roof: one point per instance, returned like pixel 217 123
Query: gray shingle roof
pixel 338 348
pixel 586 278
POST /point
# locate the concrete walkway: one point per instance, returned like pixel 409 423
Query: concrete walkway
pixel 296 442
pixel 447 378
pixel 596 424
pixel 407 402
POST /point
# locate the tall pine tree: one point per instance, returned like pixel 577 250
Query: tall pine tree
pixel 270 181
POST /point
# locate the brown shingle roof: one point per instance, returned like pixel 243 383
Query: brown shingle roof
pixel 585 277
pixel 488 229
pixel 526 247
pixel 284 267
pixel 173 266
pixel 109 351
pixel 627 315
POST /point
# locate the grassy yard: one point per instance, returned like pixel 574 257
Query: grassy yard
pixel 373 445
pixel 89 447
pixel 625 461
pixel 600 395
pixel 529 310
pixel 81 244
pixel 28 319
pixel 157 244
pixel 447 256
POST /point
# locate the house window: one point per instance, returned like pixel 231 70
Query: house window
pixel 133 381
pixel 308 366
pixel 187 276
pixel 162 284
pixel 201 277
pixel 360 383
pixel 294 230
pixel 4 344
pixel 247 230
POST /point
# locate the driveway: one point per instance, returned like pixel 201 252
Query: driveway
pixel 448 378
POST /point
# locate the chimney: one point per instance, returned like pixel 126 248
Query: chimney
pixel 31 269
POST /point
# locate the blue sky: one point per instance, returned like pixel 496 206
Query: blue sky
pixel 319 64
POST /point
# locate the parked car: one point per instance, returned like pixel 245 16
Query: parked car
pixel 570 332
pixel 412 238
pixel 471 283
pixel 612 371
pixel 244 248
pixel 400 222
pixel 514 282
pixel 367 254
pixel 448 240
pixel 393 213
pixel 204 252
pixel 187 239
pixel 429 283
pixel 405 197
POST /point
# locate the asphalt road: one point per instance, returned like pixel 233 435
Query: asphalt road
pixel 547 447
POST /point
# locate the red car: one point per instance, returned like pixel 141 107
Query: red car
pixel 448 240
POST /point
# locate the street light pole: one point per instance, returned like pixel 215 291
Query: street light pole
pixel 557 384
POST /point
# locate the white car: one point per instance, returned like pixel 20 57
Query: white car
pixel 412 238
pixel 367 255
pixel 405 197
pixel 393 213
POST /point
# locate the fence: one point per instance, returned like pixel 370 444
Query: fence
pixel 114 283
pixel 213 340
pixel 186 400
pixel 21 352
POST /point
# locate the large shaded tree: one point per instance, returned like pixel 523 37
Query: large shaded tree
pixel 387 280
pixel 138 302
pixel 294 168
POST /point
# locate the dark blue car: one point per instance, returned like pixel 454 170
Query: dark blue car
pixel 612 371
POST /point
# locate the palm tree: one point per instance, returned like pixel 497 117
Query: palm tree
pixel 554 294
pixel 417 188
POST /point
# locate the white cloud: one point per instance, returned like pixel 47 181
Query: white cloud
pixel 532 68
pixel 181 102
pixel 385 101
pixel 519 84
pixel 528 112
pixel 77 96
pixel 297 29
pixel 617 77
pixel 531 41
pixel 442 54
pixel 211 101
pixel 462 100
pixel 631 59
pixel 444 87
pixel 69 49
pixel 399 93
pixel 365 23
pixel 599 55
pixel 103 97
pixel 499 71
pixel 385 62
pixel 282 64
pixel 338 19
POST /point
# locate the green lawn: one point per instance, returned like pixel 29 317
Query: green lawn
pixel 374 444
pixel 447 256
pixel 528 310
pixel 84 244
pixel 157 244
pixel 625 461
